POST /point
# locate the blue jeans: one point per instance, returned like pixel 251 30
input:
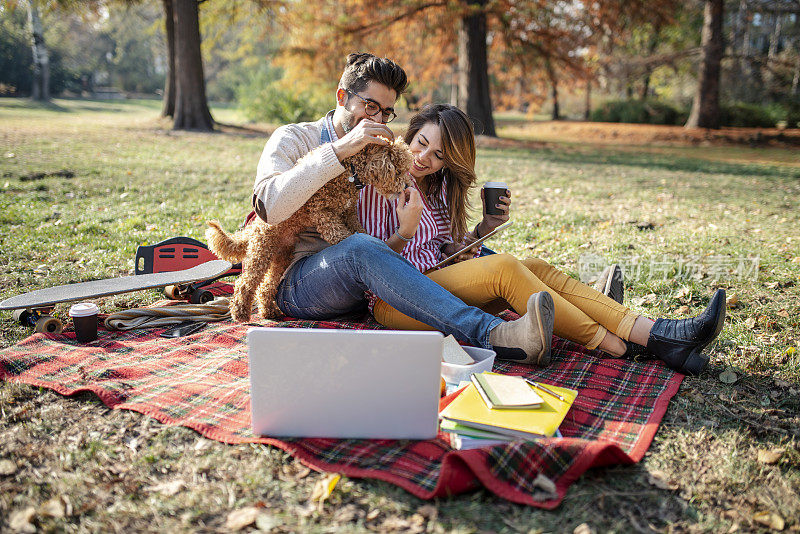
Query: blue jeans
pixel 332 282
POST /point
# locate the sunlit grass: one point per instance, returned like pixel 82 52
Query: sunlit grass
pixel 130 181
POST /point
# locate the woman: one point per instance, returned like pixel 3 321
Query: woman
pixel 430 223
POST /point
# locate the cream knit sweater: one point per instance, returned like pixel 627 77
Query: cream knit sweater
pixel 293 166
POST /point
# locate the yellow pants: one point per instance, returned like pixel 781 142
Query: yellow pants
pixel 495 282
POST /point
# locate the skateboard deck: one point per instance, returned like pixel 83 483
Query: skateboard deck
pixel 43 298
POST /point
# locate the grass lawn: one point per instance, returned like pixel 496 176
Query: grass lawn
pixel 85 182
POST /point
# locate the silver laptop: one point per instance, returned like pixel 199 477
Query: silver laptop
pixel 324 383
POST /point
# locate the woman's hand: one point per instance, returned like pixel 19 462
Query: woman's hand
pixel 409 211
pixel 490 222
pixel 452 248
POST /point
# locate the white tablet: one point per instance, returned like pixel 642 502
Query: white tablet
pixel 473 244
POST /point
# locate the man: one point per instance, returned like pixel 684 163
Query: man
pixel 325 281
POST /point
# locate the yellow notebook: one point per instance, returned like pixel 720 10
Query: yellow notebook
pixel 469 409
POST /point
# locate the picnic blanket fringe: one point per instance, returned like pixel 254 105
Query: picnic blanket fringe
pixel 214 311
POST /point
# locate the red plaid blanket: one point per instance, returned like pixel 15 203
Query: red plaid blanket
pixel 201 382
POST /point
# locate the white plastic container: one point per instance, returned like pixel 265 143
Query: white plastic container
pixel 454 373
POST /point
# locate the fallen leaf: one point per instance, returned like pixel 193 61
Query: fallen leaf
pixel 429 511
pixel 21 520
pixel 303 473
pixel 546 488
pixel 324 487
pixel 168 488
pixel 770 519
pixel 7 467
pixel 660 480
pixel 750 322
pixel 238 519
pixel 770 457
pixel 783 313
pixel 583 528
pixel 266 522
pixel 647 299
pixel 732 301
pixel 417 522
pixel 345 514
pixel 683 292
pixel 373 514
pixel 683 310
pixel 53 507
pixel 395 523
pixel 728 376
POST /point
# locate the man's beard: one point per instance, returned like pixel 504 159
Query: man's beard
pixel 348 120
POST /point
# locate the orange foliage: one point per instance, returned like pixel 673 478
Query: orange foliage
pixel 531 41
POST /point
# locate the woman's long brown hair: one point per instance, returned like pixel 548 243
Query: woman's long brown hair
pixel 458 148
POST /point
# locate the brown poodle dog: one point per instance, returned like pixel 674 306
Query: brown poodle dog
pixel 266 250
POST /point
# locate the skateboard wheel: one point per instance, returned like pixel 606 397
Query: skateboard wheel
pixel 49 325
pixel 23 317
pixel 201 296
pixel 173 292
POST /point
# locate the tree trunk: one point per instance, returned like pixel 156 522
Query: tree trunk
pixel 168 107
pixel 41 57
pixel 556 108
pixel 551 75
pixel 705 108
pixel 745 64
pixel 772 52
pixel 454 86
pixel 473 70
pixel 191 107
pixel 651 49
pixel 587 109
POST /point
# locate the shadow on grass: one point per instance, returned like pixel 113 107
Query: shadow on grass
pixel 649 160
pixel 48 105
pixel 240 131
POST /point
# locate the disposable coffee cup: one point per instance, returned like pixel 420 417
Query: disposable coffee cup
pixel 492 191
pixel 84 317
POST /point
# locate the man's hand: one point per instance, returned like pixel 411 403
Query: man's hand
pixel 365 132
pixel 409 211
pixel 490 222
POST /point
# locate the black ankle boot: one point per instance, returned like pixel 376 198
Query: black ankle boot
pixel 680 342
pixel 634 350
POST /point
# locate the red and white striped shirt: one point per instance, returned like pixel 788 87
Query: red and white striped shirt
pixel 379 218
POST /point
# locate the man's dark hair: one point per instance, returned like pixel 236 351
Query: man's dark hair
pixel 363 68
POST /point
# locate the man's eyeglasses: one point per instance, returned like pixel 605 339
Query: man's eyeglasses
pixel 372 108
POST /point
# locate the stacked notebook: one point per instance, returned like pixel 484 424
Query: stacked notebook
pixel 495 409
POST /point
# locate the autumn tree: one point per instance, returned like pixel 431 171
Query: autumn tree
pixel 468 46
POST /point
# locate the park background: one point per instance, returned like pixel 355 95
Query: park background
pixel 706 64
pixel 118 147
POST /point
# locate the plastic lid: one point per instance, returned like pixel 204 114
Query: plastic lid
pixel 83 309
pixel 498 185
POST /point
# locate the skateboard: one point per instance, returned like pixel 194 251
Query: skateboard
pixel 33 308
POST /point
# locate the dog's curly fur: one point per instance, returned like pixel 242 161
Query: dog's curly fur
pixel 266 250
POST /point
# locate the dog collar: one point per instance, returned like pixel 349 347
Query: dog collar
pixel 354 178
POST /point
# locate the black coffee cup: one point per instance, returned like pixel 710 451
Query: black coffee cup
pixel 84 317
pixel 492 191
